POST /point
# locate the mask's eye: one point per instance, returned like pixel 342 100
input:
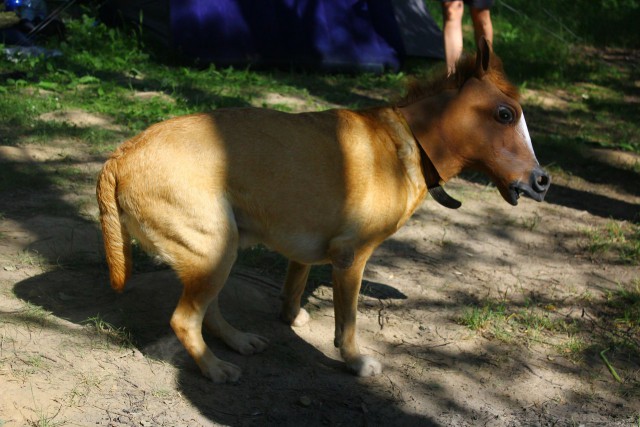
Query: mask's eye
pixel 505 114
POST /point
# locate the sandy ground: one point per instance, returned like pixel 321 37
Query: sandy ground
pixel 58 368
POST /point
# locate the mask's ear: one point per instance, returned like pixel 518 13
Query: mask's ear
pixel 483 56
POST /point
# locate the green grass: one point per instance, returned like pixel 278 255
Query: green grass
pixel 479 318
pixel 620 240
pixel 35 361
pixel 613 323
pixel 512 324
pixel 44 419
pixel 102 70
pixel 623 309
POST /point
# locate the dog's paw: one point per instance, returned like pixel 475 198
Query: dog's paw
pixel 246 343
pixel 222 372
pixel 298 319
pixel 301 319
pixel 365 366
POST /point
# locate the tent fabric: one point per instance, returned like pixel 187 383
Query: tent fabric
pixel 321 33
pixel 420 34
pixel 344 35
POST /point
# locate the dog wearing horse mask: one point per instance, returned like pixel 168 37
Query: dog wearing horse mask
pixel 320 188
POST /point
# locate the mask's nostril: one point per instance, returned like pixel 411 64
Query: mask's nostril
pixel 541 180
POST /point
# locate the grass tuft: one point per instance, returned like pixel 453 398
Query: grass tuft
pixel 114 335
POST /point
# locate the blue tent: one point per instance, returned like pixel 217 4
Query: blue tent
pixel 340 35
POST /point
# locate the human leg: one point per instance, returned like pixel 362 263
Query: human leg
pixel 482 25
pixel 452 31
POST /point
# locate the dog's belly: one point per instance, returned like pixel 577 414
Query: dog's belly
pixel 306 248
pixel 306 242
pixel 303 247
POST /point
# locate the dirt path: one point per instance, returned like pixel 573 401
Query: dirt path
pixel 65 358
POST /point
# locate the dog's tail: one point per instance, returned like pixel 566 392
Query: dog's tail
pixel 117 241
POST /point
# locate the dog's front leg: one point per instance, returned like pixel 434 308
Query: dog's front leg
pixel 346 287
pixel 294 284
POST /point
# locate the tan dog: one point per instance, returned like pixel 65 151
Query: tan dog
pixel 325 187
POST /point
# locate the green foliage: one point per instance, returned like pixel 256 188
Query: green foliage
pixel 103 70
pixel 538 39
pixel 600 23
pixel 118 51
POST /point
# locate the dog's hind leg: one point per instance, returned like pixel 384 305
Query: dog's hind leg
pixel 346 286
pixel 297 275
pixel 203 268
pixel 200 289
